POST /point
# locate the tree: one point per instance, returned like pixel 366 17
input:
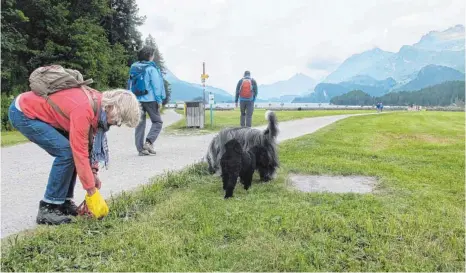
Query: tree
pixel 97 37
pixel 14 45
pixel 121 26
pixel 158 59
pixel 355 97
pixel 150 41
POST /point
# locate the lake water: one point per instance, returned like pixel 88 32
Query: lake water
pixel 278 105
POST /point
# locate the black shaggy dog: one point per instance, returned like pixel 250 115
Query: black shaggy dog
pixel 236 162
pixel 248 138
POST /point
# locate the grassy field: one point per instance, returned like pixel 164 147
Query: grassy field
pixel 230 118
pixel 12 137
pixel 222 119
pixel 415 221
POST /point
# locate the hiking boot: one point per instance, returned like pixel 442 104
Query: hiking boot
pixel 148 147
pixel 69 208
pixel 144 152
pixel 50 214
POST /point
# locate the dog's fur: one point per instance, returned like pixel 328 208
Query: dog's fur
pixel 248 138
pixel 236 162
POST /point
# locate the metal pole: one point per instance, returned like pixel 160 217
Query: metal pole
pixel 211 116
pixel 203 83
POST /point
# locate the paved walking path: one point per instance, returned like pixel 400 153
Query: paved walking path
pixel 25 167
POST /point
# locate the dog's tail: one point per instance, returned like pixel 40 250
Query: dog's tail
pixel 272 128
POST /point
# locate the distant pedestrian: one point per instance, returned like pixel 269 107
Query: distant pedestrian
pixel 246 92
pixel 379 107
pixel 146 82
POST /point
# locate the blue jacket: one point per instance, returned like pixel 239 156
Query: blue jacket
pixel 154 82
pixel 254 90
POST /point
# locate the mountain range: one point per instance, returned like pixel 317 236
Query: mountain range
pixel 442 48
pixel 287 90
pixel 185 91
pixel 438 57
pixel 431 75
pixel 427 76
pixel 282 91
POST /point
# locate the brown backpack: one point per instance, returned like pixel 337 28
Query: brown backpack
pixel 48 80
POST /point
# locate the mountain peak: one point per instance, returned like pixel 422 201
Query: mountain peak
pixel 449 39
pixel 300 76
pixel 373 51
pixel 435 68
pixel 376 50
pixel 356 64
pixel 296 85
pixel 455 29
pixel 430 75
pixel 170 76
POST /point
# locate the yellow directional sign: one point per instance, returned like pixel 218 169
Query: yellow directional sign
pixel 204 76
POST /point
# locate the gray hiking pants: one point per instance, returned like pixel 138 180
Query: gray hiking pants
pixel 152 108
pixel 247 108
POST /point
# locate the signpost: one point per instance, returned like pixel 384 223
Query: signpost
pixel 204 76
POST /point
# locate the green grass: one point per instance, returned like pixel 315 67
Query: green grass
pixel 230 118
pixel 10 138
pixel 415 221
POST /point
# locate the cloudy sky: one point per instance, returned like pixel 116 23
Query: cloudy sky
pixel 276 39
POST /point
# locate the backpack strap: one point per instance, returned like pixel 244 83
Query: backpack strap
pixel 54 106
pixel 92 101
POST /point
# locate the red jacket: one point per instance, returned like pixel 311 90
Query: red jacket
pixel 74 103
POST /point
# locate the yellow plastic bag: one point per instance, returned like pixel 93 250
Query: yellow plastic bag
pixel 97 205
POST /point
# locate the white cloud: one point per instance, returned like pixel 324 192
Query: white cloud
pixel 276 39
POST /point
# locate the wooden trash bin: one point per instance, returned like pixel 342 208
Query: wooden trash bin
pixel 195 114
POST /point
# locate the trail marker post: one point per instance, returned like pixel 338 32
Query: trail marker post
pixel 204 76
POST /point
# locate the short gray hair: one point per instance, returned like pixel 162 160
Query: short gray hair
pixel 126 109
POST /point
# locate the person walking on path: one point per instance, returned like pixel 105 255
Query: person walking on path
pixel 71 125
pixel 246 92
pixel 379 107
pixel 146 82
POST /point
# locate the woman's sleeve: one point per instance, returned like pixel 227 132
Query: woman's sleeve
pixel 80 122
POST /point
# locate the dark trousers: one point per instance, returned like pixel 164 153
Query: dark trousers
pixel 152 108
pixel 247 108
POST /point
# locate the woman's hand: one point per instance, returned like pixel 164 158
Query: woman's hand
pixel 91 191
pixel 98 183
